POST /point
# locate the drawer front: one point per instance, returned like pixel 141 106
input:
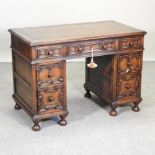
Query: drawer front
pixel 76 49
pixel 50 51
pixel 130 62
pixel 50 100
pixel 128 86
pixel 103 45
pixel 50 75
pixel 131 43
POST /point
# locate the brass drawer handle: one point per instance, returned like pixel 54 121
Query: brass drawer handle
pixel 61 79
pixel 131 44
pixel 128 86
pixel 129 63
pixel 79 49
pixel 50 99
pixel 127 70
pixel 104 46
pixel 50 53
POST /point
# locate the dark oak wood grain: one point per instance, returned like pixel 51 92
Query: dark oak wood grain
pixel 39 57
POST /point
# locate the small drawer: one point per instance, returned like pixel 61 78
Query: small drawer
pixel 73 49
pixel 109 45
pixel 98 46
pixel 50 75
pixel 86 47
pixel 128 43
pixel 50 99
pixel 128 86
pixel 129 63
pixel 50 51
pixel 83 48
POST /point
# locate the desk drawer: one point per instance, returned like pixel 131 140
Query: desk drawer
pixel 128 86
pixel 50 51
pixel 50 75
pixel 86 47
pixel 50 99
pixel 129 62
pixel 131 43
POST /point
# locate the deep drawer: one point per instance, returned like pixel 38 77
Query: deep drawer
pixel 128 86
pixel 51 99
pixel 129 63
pixel 50 75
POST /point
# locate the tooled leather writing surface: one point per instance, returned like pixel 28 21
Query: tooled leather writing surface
pixel 73 32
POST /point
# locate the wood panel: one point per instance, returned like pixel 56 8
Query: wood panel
pixel 22 68
pixel 24 91
pixel 21 48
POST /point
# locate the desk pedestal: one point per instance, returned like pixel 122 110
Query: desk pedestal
pixel 117 79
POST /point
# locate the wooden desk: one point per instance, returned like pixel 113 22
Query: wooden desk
pixel 39 57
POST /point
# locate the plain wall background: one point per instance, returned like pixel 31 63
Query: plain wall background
pixel 26 13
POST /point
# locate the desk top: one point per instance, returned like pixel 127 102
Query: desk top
pixel 35 36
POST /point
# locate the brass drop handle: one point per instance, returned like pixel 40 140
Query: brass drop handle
pixel 131 43
pixel 127 70
pixel 50 99
pixel 39 83
pixel 49 75
pixel 128 86
pixel 50 53
pixel 104 46
pixel 129 63
pixel 61 79
pixel 79 49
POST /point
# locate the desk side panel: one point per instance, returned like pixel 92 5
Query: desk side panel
pixel 22 74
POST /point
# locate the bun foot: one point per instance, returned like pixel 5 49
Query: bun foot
pixel 17 106
pixel 62 121
pixel 87 95
pixel 113 113
pixel 36 127
pixel 135 108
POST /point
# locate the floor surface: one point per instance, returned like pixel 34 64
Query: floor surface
pixel 90 129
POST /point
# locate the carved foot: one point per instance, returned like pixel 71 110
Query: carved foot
pixel 17 106
pixel 62 121
pixel 135 108
pixel 36 126
pixel 113 111
pixel 87 95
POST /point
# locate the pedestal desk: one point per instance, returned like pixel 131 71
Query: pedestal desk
pixel 39 57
